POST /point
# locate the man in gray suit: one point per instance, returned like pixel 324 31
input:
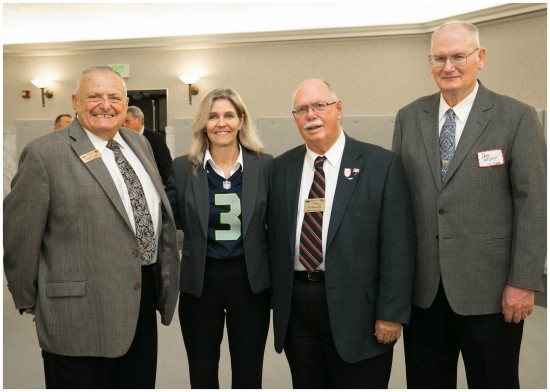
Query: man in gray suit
pixel 91 260
pixel 341 255
pixel 479 195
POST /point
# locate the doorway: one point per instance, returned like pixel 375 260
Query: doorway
pixel 154 107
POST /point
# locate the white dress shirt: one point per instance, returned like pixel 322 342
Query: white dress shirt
pixel 151 194
pixel 238 163
pixel 462 111
pixel 331 167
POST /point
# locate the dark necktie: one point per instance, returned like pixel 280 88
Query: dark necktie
pixel 145 231
pixel 311 237
pixel 447 142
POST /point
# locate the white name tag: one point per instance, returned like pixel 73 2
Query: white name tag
pixel 490 158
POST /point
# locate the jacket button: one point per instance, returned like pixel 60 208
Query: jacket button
pixel 137 286
pixel 436 237
pixel 135 253
pixel 441 212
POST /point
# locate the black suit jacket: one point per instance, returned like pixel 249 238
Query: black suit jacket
pixel 161 152
pixel 189 198
pixel 369 258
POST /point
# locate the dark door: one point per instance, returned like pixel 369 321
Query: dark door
pixel 153 105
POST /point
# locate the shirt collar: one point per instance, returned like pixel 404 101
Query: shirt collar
pixel 462 110
pixel 238 162
pixel 101 144
pixel 333 155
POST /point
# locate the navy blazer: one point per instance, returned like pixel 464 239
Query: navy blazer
pixel 369 258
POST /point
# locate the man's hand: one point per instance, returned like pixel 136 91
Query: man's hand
pixel 387 332
pixel 517 304
pixel 30 311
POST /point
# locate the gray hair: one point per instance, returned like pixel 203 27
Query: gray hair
pixel 136 112
pixel 331 90
pixel 100 68
pixel 473 30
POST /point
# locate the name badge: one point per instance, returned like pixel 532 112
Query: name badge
pixel 90 156
pixel 314 205
pixel 490 158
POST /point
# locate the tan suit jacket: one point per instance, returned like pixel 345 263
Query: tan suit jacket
pixel 70 251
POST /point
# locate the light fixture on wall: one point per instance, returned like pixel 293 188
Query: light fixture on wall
pixel 43 85
pixel 190 80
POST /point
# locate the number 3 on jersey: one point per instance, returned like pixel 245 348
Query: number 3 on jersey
pixel 230 218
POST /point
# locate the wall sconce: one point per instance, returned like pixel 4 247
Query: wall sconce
pixel 42 85
pixel 190 80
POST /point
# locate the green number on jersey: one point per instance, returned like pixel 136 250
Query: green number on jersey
pixel 230 218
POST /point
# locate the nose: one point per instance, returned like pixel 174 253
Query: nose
pixel 448 65
pixel 104 102
pixel 311 113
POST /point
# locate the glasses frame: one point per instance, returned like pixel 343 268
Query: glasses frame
pixel 450 58
pixel 295 114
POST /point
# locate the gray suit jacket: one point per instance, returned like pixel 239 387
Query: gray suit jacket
pixel 69 248
pixel 370 248
pixel 485 227
pixel 189 196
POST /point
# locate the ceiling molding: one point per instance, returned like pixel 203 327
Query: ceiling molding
pixel 225 40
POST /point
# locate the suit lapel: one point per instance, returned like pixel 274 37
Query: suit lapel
pixel 429 124
pixel 477 121
pixel 352 158
pixel 294 178
pixel 82 145
pixel 251 174
pixel 202 198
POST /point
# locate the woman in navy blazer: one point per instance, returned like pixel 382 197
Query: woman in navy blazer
pixel 218 193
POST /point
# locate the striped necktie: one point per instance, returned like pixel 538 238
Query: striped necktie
pixel 311 236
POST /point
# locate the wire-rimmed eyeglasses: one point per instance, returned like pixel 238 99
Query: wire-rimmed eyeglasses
pixel 457 60
pixel 316 107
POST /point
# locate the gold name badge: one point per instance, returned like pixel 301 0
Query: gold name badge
pixel 90 156
pixel 314 205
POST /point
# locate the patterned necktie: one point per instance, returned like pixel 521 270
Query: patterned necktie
pixel 311 237
pixel 145 231
pixel 447 143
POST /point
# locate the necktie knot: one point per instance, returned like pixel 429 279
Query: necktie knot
pixel 319 162
pixel 113 145
pixel 451 114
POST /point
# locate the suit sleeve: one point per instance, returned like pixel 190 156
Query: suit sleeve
pixel 397 248
pixel 527 162
pixel 164 161
pixel 172 192
pixel 25 218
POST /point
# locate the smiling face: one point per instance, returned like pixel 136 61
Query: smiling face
pixel 456 82
pixel 319 129
pixel 100 103
pixel 223 124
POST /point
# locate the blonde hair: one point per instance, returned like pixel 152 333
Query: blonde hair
pixel 247 136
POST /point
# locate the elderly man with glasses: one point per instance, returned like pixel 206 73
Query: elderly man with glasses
pixel 341 244
pixel 476 165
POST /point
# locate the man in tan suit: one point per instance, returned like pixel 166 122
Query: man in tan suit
pixel 78 254
pixel 476 164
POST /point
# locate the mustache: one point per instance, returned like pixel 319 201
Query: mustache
pixel 314 123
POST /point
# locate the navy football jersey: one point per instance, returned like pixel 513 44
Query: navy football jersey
pixel 225 239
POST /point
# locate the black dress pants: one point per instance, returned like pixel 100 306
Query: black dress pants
pixel 435 337
pixel 310 350
pixel 135 369
pixel 226 294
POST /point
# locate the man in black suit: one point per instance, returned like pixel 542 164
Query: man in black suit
pixel 163 159
pixel 342 255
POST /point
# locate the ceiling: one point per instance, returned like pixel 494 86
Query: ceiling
pixel 34 23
